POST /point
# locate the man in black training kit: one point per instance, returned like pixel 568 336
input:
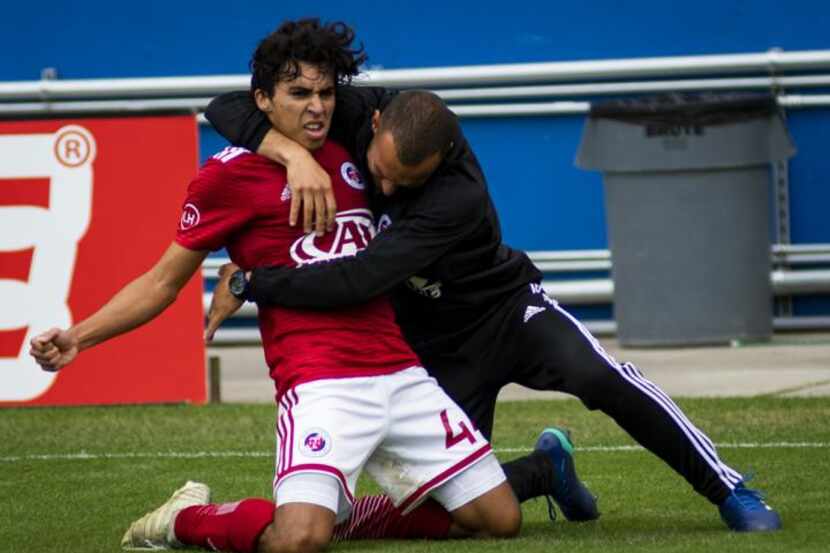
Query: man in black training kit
pixel 473 308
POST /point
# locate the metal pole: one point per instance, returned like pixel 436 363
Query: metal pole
pixel 214 379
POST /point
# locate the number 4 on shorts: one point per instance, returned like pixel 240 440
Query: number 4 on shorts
pixel 453 439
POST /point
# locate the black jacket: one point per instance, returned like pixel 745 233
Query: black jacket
pixel 439 249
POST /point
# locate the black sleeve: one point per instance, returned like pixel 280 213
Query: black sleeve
pixel 235 116
pixel 355 106
pixel 407 246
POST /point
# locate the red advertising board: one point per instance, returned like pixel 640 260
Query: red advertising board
pixel 86 206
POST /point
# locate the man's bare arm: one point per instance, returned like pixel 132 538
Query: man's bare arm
pixel 223 304
pixel 137 303
pixel 309 183
pixel 236 117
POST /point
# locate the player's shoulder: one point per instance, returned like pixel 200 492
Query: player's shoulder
pixel 453 193
pixel 459 183
pixel 225 161
pixel 241 163
pixel 237 157
pixel 231 153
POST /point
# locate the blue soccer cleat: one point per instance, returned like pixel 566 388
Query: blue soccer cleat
pixel 744 510
pixel 573 498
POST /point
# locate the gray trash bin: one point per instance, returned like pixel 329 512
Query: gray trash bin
pixel 687 205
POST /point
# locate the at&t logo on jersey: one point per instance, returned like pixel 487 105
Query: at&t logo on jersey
pixel 316 443
pixel 353 233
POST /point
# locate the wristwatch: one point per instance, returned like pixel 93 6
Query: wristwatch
pixel 238 285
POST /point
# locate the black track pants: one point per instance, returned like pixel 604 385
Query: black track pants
pixel 532 341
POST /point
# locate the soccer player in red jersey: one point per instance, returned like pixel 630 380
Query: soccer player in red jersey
pixel 351 392
pixel 472 307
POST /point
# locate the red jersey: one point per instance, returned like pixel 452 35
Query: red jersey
pixel 241 201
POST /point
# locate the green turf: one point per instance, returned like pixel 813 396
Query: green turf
pixel 51 503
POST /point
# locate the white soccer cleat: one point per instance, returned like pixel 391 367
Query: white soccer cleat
pixel 155 529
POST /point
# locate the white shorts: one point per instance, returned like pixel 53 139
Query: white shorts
pixel 402 427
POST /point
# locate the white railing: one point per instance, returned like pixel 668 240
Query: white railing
pixel 225 337
pixel 198 105
pixel 561 261
pixel 772 72
pixel 773 62
pixel 769 71
pixel 597 291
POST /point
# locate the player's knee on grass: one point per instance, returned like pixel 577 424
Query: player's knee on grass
pixel 495 514
pixel 298 528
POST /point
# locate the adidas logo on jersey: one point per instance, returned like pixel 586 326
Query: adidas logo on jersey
pixel 229 153
pixel 532 311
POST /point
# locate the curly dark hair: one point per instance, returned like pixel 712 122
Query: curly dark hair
pixel 327 46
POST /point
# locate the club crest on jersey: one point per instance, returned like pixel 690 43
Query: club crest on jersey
pixel 190 217
pixel 316 442
pixel 354 230
pixel 352 176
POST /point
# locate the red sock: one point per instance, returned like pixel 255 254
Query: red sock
pixel 225 526
pixel 375 517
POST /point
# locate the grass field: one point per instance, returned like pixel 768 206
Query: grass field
pixel 74 478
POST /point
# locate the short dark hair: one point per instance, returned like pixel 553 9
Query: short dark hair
pixel 421 124
pixel 328 46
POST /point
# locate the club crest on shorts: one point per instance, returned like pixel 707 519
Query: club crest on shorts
pixel 352 176
pixel 316 442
